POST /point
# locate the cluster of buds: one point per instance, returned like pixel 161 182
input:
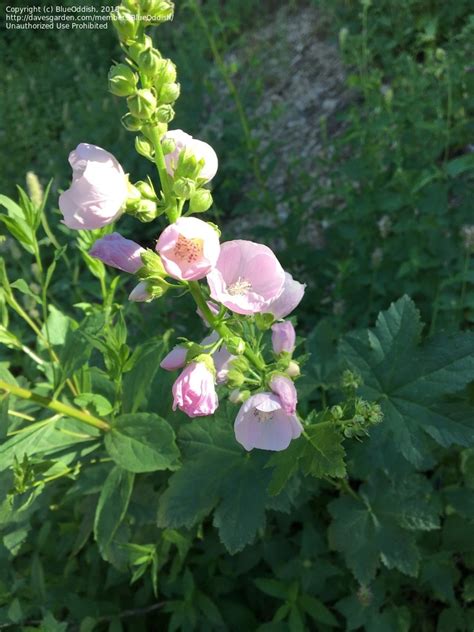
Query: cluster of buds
pixel 247 295
pixel 356 417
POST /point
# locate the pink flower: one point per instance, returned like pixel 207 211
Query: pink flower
pixel 98 191
pixel 194 392
pixel 189 248
pixel 262 423
pixel 198 148
pixel 175 359
pixel 140 293
pixel 118 252
pixel 289 299
pixel 286 391
pixel 283 337
pixel 247 277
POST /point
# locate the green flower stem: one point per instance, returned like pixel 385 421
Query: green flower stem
pixel 221 328
pixel 58 407
pixel 172 212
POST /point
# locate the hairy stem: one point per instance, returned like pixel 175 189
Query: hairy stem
pixel 58 407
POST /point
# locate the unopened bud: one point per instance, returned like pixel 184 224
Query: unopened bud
pixel 35 190
pixel 133 198
pixel 146 210
pixel 125 24
pixel 160 9
pixel 165 114
pixel 169 92
pixel 235 379
pixel 238 397
pixel 144 147
pixel 337 412
pixel 293 369
pixel 184 188
pixel 138 46
pixel 146 190
pixel 152 265
pixel 131 123
pixel 235 345
pixel 142 104
pixel 168 145
pixel 150 62
pixel 167 73
pixel 122 80
pixel 201 201
pixel 240 364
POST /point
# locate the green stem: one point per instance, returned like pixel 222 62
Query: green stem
pixel 58 407
pixel 160 163
pixel 221 328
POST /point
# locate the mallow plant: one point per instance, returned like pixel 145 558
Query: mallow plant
pixel 341 464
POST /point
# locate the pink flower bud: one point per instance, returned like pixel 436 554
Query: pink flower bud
pixel 175 359
pixel 140 293
pixel 286 391
pixel 189 249
pixel 98 191
pixel 194 392
pixel 283 337
pixel 200 150
pixel 262 423
pixel 247 277
pixel 289 299
pixel 118 252
pixel 221 358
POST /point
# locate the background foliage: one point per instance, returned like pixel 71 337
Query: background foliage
pixel 337 533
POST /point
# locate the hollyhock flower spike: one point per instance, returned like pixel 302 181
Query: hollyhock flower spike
pixel 247 277
pixel 200 150
pixel 194 392
pixel 98 191
pixel 289 299
pixel 283 337
pixel 263 423
pixel 286 391
pixel 189 249
pixel 118 252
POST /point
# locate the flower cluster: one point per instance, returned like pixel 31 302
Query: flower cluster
pixel 245 294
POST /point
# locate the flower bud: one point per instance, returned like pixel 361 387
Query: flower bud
pixel 240 364
pixel 146 210
pixel 235 345
pixel 200 201
pixel 167 73
pixel 122 80
pixel 165 114
pixel 238 397
pixel 146 190
pixel 133 198
pixel 138 46
pixel 283 337
pixel 152 264
pixel 132 5
pixel 142 104
pixel 150 62
pixel 131 123
pixel 293 369
pixel 144 147
pixel 235 379
pixel 168 145
pixel 184 188
pixel 169 92
pixel 337 412
pixel 125 24
pixel 264 321
pixel 160 9
pixel 140 293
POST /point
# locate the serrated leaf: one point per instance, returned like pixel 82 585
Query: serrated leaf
pixel 137 381
pixel 409 381
pixel 378 526
pixel 112 507
pixel 142 442
pixel 218 474
pixel 327 455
